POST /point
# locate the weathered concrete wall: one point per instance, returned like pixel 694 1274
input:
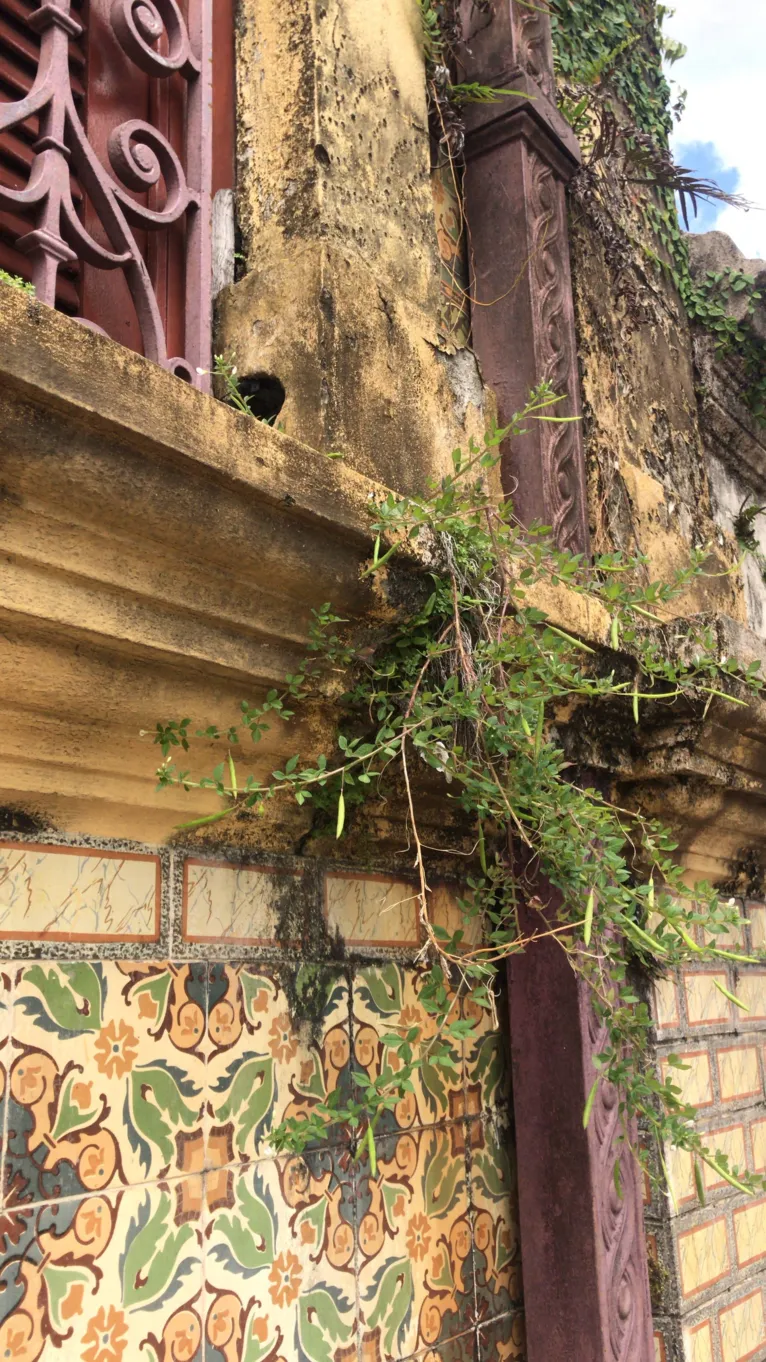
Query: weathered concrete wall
pixel 649 487
pixel 340 295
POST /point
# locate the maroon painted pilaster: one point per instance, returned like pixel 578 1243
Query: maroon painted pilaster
pixel 520 155
pixel 586 1284
pixel 586 1281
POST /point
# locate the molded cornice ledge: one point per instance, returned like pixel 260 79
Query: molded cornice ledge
pixel 161 555
pixel 701 769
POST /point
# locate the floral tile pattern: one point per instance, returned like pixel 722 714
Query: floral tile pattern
pixel 279 1263
pixel 106 1076
pixel 494 1200
pixel 416 1274
pixel 104 1278
pixel 145 1216
pixel 261 1068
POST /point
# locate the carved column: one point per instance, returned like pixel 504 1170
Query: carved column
pixel 586 1281
pixel 586 1284
pixel 520 154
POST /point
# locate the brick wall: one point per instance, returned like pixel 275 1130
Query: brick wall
pixel 709 1262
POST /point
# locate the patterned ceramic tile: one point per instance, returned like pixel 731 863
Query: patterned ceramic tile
pixel 750 1232
pixel 106 1076
pixel 487 1057
pixel 739 1073
pixel 703 1255
pixel 698 1343
pixel 262 1069
pixel 494 1202
pixel 372 910
pixel 104 1278
pixel 743 1331
pixel 505 1340
pixel 77 894
pixel 705 1004
pixel 387 998
pixel 660 1351
pixel 230 903
pixel 415 1276
pixel 279 1262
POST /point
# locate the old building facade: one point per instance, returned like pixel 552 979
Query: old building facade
pixel 264 180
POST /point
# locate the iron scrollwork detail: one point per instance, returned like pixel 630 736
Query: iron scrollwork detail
pixel 139 155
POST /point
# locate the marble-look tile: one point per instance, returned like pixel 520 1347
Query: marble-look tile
pixel 703 1255
pixel 751 990
pixel 666 1002
pixel 694 1080
pixel 743 1331
pixel 105 1278
pixel 739 1073
pixel 698 1343
pixel 66 893
pixel 705 1004
pixel 758 1138
pixel 750 1232
pixel 238 904
pixel 451 910
pixel 372 910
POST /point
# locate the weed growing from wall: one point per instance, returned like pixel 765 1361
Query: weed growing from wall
pixel 609 63
pixel 474 682
pixel 16 281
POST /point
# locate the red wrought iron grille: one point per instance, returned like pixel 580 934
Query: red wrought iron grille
pixel 105 167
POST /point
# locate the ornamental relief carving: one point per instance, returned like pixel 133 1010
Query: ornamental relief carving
pixel 553 325
pixel 620 1224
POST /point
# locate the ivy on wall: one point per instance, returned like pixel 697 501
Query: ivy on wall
pixel 614 50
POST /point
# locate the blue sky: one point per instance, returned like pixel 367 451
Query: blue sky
pixel 721 133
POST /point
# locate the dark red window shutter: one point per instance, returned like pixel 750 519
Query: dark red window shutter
pixel 19 54
pixel 110 89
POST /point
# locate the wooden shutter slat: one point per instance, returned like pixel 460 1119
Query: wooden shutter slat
pixel 19 53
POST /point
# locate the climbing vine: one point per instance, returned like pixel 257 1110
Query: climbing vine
pixel 609 58
pixel 471 690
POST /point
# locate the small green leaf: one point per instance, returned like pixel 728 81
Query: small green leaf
pixel 589 1104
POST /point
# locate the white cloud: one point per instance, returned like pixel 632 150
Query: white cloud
pixel 724 72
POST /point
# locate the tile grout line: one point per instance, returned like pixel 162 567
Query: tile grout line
pixel 7 1093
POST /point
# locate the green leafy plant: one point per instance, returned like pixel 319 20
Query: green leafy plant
pixel 16 281
pixel 474 685
pixel 609 57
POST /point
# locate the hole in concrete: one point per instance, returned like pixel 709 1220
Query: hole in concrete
pixel 321 154
pixel 264 394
